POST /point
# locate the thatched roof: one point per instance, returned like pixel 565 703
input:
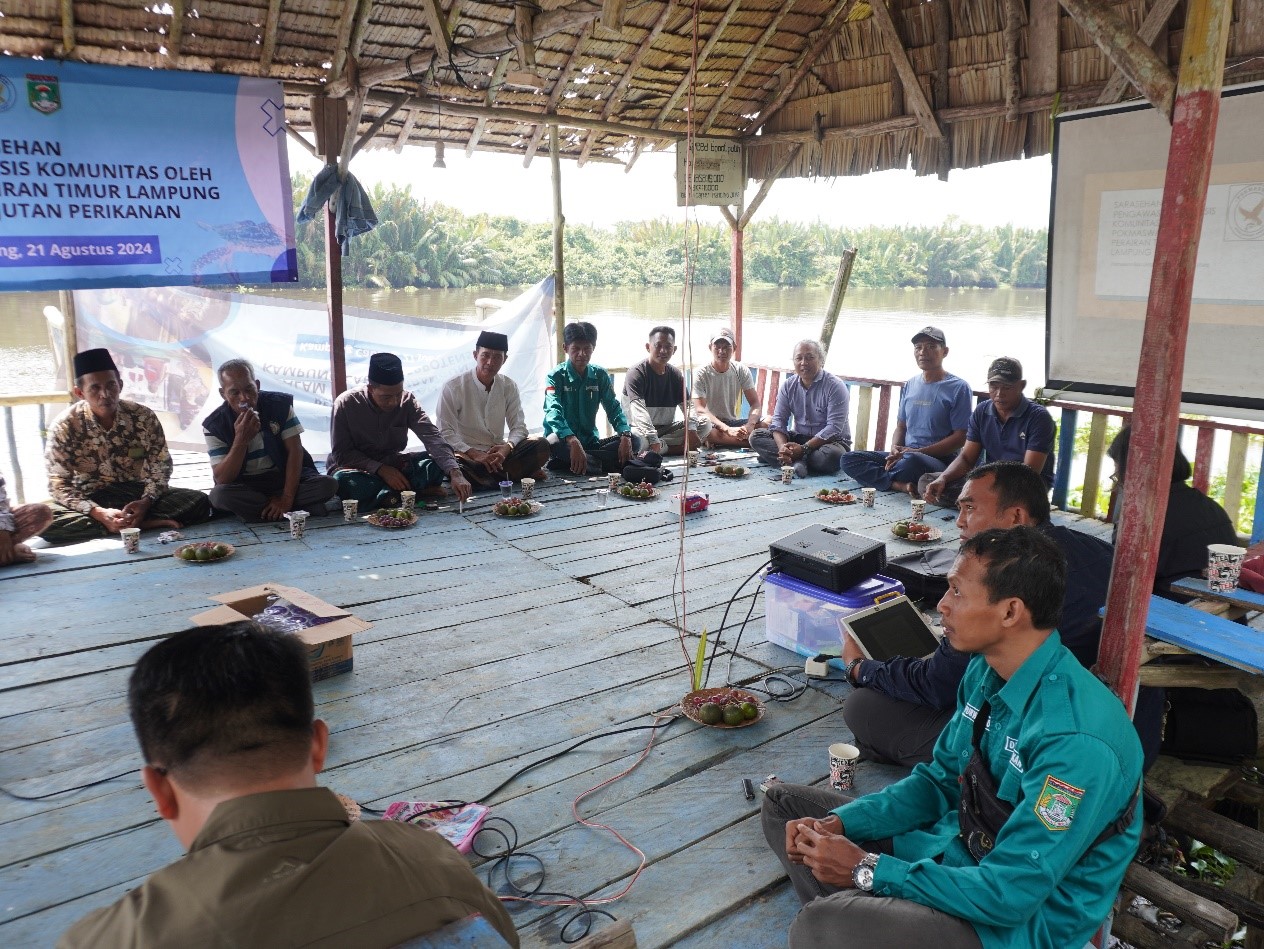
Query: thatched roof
pixel 813 86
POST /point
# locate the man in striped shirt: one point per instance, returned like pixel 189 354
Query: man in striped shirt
pixel 256 451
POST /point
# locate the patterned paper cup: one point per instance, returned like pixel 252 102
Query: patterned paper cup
pixel 615 479
pixel 787 474
pixel 131 539
pixel 528 488
pixel 408 500
pixel 693 459
pixel 350 509
pixel 842 762
pixel 298 524
pixel 1224 566
pixel 917 510
pixel 869 496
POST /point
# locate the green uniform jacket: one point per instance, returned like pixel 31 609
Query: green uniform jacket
pixel 287 868
pixel 571 402
pixel 1064 753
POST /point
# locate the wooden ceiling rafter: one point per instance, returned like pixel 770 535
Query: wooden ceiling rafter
pixel 1115 38
pixel 1015 15
pixel 378 124
pixel 914 97
pixel 828 29
pixel 612 12
pixel 616 94
pixel 571 17
pixel 736 80
pixel 555 96
pixel 523 35
pixel 940 88
pixel 175 34
pixel 342 38
pixel 268 42
pixel 67 27
pixel 681 87
pixel 405 132
pixel 1151 27
pixel 438 29
pixel 489 98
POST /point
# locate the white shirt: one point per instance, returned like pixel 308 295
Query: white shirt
pixel 470 416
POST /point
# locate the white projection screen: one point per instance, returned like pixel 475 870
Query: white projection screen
pixel 1108 169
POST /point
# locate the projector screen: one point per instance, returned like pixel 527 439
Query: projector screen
pixel 1108 168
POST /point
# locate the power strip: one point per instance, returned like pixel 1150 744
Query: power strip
pixel 818 666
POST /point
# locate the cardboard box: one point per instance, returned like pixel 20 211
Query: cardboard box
pixel 328 645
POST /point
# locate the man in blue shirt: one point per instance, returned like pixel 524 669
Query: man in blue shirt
pixel 1053 753
pixel 931 426
pixel 1007 427
pixel 817 401
pixel 900 705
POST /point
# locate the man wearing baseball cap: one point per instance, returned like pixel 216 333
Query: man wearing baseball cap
pixel 934 413
pixel 1008 427
pixel 717 387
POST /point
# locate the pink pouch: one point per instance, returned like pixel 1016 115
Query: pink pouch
pixel 457 823
pixel 1253 574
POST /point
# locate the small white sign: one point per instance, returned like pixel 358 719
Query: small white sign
pixel 715 174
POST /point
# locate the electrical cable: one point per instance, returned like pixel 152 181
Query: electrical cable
pixel 78 787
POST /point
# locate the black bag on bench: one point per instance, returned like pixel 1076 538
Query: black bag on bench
pixel 924 573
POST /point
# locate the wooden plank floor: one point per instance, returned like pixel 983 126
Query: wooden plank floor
pixel 495 644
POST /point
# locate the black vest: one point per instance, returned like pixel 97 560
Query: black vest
pixel 274 409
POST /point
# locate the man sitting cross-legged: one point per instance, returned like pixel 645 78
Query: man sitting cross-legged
pixel 817 401
pixel 369 433
pixel 108 464
pixel 17 525
pixel 716 388
pixel 1019 830
pixel 255 444
pixel 224 717
pixel 654 391
pixel 474 409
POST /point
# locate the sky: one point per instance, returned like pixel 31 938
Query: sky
pixel 600 194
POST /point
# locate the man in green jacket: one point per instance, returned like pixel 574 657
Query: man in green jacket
pixel 575 390
pixel 1036 736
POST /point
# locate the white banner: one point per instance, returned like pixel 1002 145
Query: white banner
pixel 168 341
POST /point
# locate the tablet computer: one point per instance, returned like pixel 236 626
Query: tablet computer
pixel 890 629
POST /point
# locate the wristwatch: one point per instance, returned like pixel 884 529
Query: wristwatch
pixel 851 667
pixel 862 873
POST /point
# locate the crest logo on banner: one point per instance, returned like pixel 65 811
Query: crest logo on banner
pixel 44 93
pixel 8 95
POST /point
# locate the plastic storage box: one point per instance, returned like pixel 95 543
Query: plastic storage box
pixel 804 618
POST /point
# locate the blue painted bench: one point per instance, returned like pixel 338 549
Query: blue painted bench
pixel 1212 636
pixel 1238 596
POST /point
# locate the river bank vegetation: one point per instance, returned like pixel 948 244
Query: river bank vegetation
pixel 419 244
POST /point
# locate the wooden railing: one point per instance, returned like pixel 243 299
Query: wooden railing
pixel 1071 417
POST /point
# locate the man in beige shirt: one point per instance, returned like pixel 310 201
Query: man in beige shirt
pixel 224 716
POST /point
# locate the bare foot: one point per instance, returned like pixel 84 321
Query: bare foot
pixel 23 554
pixel 904 487
pixel 541 475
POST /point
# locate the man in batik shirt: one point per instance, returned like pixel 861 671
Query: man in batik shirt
pixel 108 464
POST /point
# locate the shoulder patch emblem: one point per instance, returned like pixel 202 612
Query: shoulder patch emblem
pixel 1057 803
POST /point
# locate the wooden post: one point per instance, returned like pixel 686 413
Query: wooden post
pixel 66 300
pixel 1257 526
pixel 736 266
pixel 1158 391
pixel 836 297
pixel 329 121
pixel 559 232
pixel 1066 455
pixel 884 415
pixel 1202 458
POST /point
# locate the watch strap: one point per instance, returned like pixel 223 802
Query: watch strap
pixel 851 668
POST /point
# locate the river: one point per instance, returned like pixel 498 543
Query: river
pixel 871 339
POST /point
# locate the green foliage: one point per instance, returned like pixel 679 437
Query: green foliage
pixel 1250 485
pixel 418 244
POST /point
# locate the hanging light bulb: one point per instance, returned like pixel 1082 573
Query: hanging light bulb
pixel 439 162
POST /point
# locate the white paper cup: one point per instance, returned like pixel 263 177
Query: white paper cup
pixel 408 500
pixel 349 510
pixel 131 539
pixel 603 495
pixel 528 488
pixel 787 474
pixel 1224 566
pixel 693 459
pixel 842 762
pixel 869 496
pixel 614 481
pixel 917 510
pixel 298 524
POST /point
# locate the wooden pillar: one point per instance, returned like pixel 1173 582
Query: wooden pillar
pixel 1066 455
pixel 329 121
pixel 70 328
pixel 559 232
pixel 841 280
pixel 736 267
pixel 1156 405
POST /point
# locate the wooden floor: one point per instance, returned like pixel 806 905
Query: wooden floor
pixel 494 643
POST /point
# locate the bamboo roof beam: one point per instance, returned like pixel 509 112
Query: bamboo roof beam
pixel 736 79
pixel 493 87
pixel 524 35
pixel 378 124
pixel 914 96
pixel 612 15
pixel 766 185
pixel 810 56
pixel 559 90
pixel 438 29
pixel 571 17
pixel 67 26
pixel 616 95
pixel 268 45
pixel 175 36
pixel 1143 67
pixel 405 132
pixel 685 80
pixel 1014 15
pixel 342 38
pixel 1042 47
pixel 1151 27
pixel 294 133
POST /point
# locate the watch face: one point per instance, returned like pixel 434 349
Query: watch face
pixel 862 876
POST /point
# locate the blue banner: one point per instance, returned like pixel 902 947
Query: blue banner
pixel 115 177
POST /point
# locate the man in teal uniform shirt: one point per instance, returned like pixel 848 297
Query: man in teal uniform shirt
pixel 1065 765
pixel 572 395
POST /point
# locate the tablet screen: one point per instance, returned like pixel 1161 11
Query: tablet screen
pixel 894 628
